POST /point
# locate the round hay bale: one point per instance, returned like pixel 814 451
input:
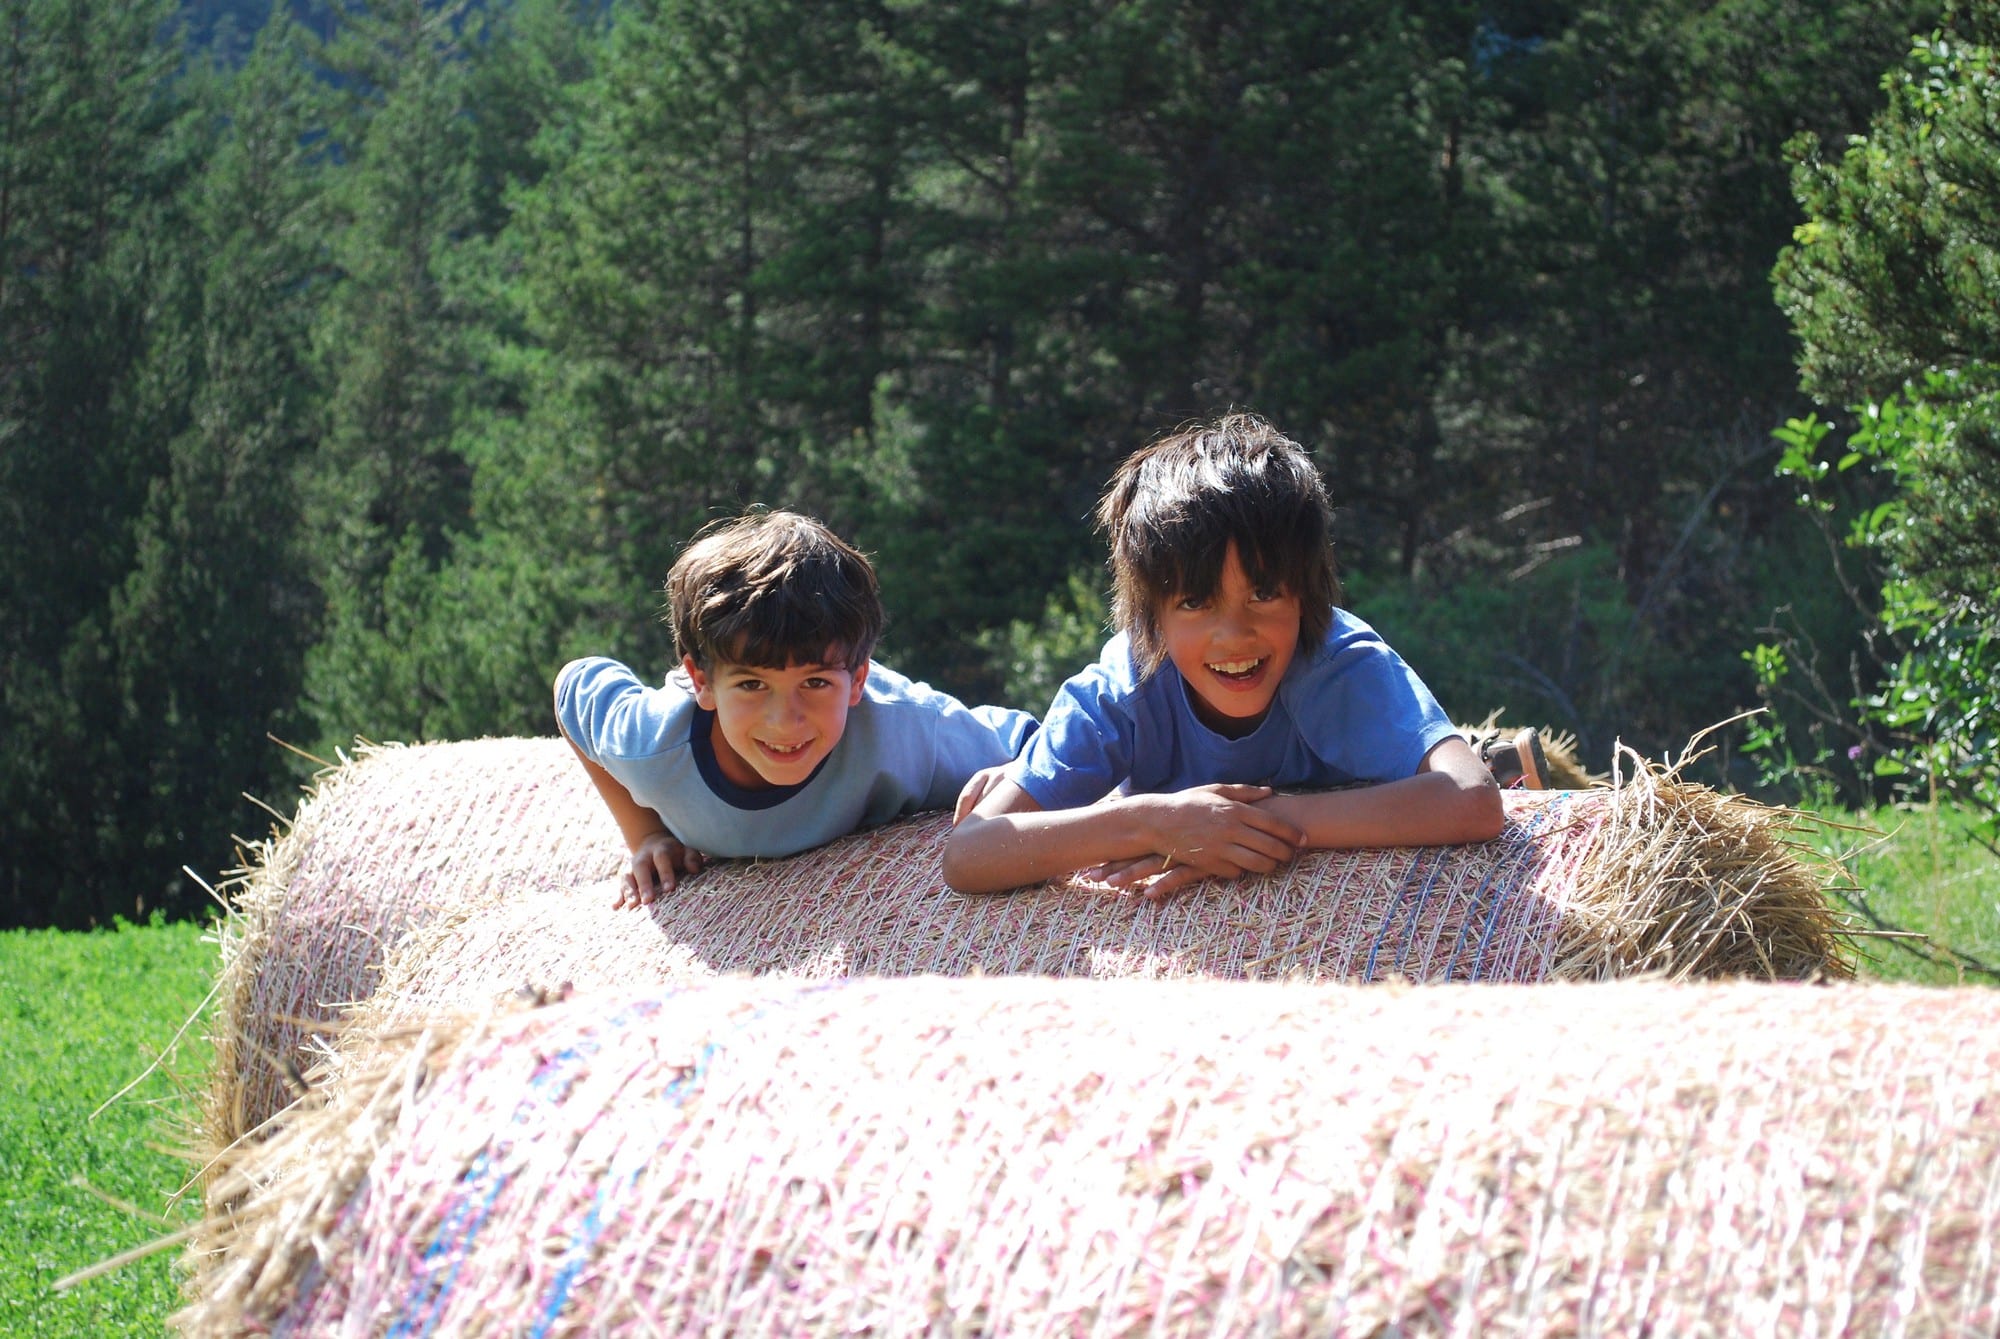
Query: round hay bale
pixel 484 868
pixel 384 842
pixel 1029 1156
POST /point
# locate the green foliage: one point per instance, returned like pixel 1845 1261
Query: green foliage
pixel 217 593
pixel 1036 658
pixel 94 145
pixel 81 1017
pixel 351 391
pixel 1893 271
pixel 1889 285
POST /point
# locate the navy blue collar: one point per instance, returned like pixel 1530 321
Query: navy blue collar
pixel 701 741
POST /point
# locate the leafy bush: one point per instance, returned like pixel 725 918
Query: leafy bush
pixel 1889 286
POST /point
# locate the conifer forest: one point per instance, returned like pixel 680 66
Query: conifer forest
pixel 361 361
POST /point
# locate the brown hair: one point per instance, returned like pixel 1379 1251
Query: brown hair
pixel 1175 506
pixel 772 588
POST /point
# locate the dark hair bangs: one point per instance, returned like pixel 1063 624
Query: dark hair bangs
pixel 790 623
pixel 773 589
pixel 1174 508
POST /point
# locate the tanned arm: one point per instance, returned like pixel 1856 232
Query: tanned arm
pixel 1008 840
pixel 1452 799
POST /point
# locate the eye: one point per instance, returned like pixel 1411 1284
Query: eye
pixel 1191 603
pixel 817 682
pixel 1267 595
pixel 748 685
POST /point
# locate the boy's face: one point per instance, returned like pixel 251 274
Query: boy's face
pixel 1233 648
pixel 773 726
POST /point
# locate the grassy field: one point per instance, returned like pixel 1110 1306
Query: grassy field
pixel 82 1015
pixel 1919 874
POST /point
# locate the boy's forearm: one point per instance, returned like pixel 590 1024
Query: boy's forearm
pixel 995 853
pixel 1429 809
pixel 635 821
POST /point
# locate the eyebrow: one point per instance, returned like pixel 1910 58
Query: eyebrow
pixel 766 671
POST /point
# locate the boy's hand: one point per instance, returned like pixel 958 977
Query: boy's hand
pixel 658 863
pixel 975 789
pixel 1213 831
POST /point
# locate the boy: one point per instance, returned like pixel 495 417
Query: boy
pixel 1233 673
pixel 777 732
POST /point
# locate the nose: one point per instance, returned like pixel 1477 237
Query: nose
pixel 1232 621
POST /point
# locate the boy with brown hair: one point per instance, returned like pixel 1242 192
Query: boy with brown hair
pixel 1234 674
pixel 777 732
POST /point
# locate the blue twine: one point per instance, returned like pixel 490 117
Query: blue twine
pixel 549 1085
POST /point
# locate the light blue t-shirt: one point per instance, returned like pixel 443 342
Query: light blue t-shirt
pixel 907 747
pixel 1349 711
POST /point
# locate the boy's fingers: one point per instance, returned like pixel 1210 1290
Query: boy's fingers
pixel 1171 882
pixel 1279 844
pixel 1270 824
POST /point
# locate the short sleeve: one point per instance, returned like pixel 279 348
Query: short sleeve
pixel 969 739
pixel 606 711
pixel 1084 748
pixel 1364 711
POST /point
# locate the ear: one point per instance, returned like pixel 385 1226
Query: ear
pixel 860 682
pixel 704 687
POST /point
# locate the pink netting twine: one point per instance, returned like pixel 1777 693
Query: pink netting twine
pixel 1037 1157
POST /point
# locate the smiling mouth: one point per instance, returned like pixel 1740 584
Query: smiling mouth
pixel 783 753
pixel 1235 669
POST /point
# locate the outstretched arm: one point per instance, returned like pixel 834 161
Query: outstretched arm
pixel 658 858
pixel 1451 799
pixel 1009 840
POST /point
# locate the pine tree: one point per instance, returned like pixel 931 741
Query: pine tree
pixel 388 479
pixel 92 156
pixel 211 623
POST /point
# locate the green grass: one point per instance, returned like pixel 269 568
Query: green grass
pixel 81 1016
pixel 1920 874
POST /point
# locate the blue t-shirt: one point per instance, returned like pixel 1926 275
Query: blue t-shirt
pixel 1349 711
pixel 906 747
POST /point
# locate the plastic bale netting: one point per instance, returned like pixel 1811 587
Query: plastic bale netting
pixel 383 843
pixel 489 868
pixel 1030 1157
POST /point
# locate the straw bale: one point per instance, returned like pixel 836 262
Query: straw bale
pixel 477 870
pixel 1030 1156
pixel 384 842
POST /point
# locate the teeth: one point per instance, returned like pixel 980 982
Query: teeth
pixel 780 748
pixel 1234 666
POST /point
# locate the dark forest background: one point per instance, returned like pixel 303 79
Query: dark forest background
pixel 361 362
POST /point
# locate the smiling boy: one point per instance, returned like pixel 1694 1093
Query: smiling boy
pixel 777 732
pixel 1234 674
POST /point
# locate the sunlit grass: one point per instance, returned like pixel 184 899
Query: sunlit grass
pixel 1920 874
pixel 81 1016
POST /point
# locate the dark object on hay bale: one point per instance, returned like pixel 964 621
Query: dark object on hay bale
pixel 487 866
pixel 1029 1156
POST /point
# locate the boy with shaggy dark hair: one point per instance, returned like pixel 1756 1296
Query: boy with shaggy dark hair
pixel 1234 674
pixel 777 732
